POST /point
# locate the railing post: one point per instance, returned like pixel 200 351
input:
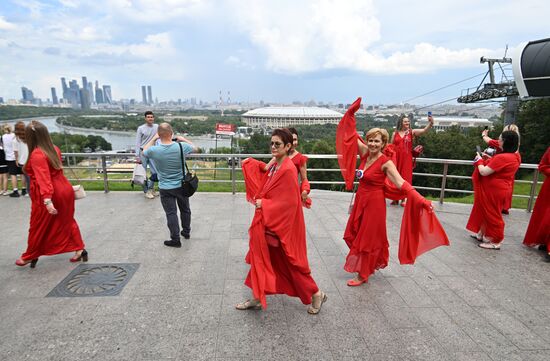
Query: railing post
pixel 533 190
pixel 233 160
pixel 443 183
pixel 105 177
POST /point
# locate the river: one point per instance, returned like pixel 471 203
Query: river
pixel 121 140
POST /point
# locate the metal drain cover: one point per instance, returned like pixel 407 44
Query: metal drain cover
pixel 92 280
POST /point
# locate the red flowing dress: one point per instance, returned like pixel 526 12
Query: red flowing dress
pixel 491 194
pixel 365 232
pixel 493 143
pixel 538 231
pixel 299 160
pixel 277 244
pixel 50 234
pixel 403 155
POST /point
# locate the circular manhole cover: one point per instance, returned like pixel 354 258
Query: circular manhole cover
pixel 101 279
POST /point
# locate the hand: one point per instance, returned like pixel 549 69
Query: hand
pixel 431 119
pixel 485 156
pixel 485 132
pixel 304 196
pixel 51 209
pixel 477 158
pixel 258 203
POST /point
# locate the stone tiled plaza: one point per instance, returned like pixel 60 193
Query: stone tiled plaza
pixel 457 303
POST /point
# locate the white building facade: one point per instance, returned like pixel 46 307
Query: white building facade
pixel 282 117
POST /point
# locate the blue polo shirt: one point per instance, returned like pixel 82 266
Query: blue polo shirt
pixel 167 158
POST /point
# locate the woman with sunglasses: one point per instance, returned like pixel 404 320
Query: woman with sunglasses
pixel 53 229
pixel 277 246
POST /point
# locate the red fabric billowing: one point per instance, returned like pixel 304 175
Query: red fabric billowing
pixel 281 214
pixel 538 231
pixel 403 156
pixel 50 234
pixel 346 144
pixel 420 228
pixel 493 143
pixel 491 194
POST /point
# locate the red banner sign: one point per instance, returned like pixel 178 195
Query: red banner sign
pixel 225 129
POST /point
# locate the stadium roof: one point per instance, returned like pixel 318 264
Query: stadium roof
pixel 293 112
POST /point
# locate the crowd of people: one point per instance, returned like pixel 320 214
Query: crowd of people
pixel 279 190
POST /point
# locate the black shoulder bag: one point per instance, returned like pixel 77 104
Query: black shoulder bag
pixel 190 182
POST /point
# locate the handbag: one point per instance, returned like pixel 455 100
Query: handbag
pixel 190 181
pixel 417 151
pixel 78 189
pixel 139 175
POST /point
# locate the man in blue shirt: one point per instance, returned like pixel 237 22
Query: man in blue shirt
pixel 168 162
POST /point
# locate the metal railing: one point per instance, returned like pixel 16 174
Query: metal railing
pixel 103 167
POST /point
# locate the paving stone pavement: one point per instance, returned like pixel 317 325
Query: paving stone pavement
pixel 457 303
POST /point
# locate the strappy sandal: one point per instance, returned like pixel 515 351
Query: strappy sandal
pixel 317 303
pixel 248 305
pixel 489 245
pixel 474 236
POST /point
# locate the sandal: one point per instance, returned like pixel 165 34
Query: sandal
pixel 474 236
pixel 489 245
pixel 355 282
pixel 249 304
pixel 317 303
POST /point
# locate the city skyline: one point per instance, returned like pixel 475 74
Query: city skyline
pixel 386 52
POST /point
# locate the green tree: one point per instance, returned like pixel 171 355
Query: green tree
pixel 534 126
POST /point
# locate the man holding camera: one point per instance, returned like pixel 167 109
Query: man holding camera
pixel 168 161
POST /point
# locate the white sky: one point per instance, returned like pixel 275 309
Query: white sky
pixel 285 50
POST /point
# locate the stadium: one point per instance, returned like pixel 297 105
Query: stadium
pixel 281 117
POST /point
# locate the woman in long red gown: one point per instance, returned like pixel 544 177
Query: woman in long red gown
pixel 53 229
pixel 492 180
pixel 365 232
pixel 277 246
pixel 402 139
pixel 493 143
pixel 538 231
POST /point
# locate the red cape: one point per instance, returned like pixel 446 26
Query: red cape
pixel 420 228
pixel 282 214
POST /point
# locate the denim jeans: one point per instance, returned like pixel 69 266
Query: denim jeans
pixel 169 198
pixel 149 184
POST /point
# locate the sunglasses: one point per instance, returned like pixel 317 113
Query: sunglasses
pixel 276 144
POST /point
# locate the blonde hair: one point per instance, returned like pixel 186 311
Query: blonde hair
pixel 6 128
pixel 512 127
pixel 375 131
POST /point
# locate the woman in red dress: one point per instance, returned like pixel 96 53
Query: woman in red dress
pixel 365 232
pixel 493 143
pixel 402 139
pixel 492 180
pixel 538 231
pixel 277 246
pixel 53 229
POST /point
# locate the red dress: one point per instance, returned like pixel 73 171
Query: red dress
pixel 493 143
pixel 403 153
pixel 538 231
pixel 365 232
pixel 50 234
pixel 299 160
pixel 491 194
pixel 277 246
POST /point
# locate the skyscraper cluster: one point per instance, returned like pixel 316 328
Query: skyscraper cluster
pixel 84 96
pixel 147 94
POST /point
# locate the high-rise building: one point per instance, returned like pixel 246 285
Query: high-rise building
pixel 65 90
pixel 1 100
pixel 84 98
pixel 143 95
pixel 74 94
pixel 98 93
pixel 149 94
pixel 85 82
pixel 54 97
pixel 91 97
pixel 107 96
pixel 28 96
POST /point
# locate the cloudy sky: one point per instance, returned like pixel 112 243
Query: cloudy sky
pixel 278 50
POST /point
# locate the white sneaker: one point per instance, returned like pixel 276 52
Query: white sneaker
pixel 156 194
pixel 6 193
pixel 149 194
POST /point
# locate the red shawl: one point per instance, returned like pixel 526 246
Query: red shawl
pixel 346 144
pixel 281 214
pixel 420 228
